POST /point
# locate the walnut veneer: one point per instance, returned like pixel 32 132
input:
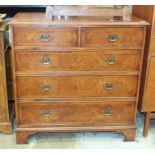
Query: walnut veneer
pixel 76 75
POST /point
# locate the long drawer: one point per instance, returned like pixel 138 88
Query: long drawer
pixel 108 60
pixel 45 36
pixel 50 113
pixel 111 36
pixel 76 86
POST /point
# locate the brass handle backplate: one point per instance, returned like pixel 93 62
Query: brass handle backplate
pixel 112 37
pixel 47 113
pixel 109 86
pixel 46 87
pixel 45 60
pixel 106 112
pixel 45 37
pixel 111 60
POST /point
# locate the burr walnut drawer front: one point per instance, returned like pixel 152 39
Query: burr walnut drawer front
pixel 108 60
pixel 111 36
pixel 76 86
pixel 75 112
pixel 45 36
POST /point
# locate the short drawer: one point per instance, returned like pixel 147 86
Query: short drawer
pixel 111 36
pixel 76 86
pixel 108 60
pixel 75 112
pixel 45 36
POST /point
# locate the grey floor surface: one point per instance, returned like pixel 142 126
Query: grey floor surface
pixel 98 140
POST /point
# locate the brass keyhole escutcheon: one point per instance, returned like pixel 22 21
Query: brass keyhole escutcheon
pixel 107 112
pixel 47 113
pixel 109 86
pixel 112 37
pixel 46 87
pixel 45 37
pixel 46 60
pixel 111 60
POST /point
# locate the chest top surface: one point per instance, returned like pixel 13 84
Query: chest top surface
pixel 40 18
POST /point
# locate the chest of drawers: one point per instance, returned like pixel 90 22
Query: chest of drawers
pixel 76 76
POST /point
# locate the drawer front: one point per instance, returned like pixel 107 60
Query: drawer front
pixel 76 86
pixel 36 36
pixel 50 113
pixel 109 60
pixel 100 37
pixel 149 98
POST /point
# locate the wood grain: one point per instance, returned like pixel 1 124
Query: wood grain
pixel 97 37
pixel 146 124
pixel 40 18
pixel 152 47
pixel 146 103
pixel 77 82
pixel 124 60
pixel 150 88
pixel 68 113
pixel 3 92
pixel 5 122
pixel 76 86
pixel 60 36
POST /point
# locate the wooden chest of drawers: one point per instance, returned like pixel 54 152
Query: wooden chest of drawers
pixel 76 76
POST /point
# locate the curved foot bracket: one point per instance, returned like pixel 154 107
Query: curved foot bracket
pixel 129 134
pixel 22 136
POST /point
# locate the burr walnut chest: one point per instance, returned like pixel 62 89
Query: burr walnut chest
pixel 76 74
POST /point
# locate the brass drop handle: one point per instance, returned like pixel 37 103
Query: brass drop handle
pixel 45 37
pixel 109 86
pixel 112 37
pixel 107 112
pixel 46 87
pixel 46 60
pixel 47 113
pixel 111 60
